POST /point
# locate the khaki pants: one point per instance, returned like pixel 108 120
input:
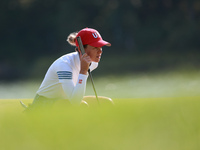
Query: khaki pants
pixel 41 101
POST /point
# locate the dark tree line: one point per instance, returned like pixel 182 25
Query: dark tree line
pixel 31 30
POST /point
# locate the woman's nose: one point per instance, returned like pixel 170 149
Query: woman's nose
pixel 100 50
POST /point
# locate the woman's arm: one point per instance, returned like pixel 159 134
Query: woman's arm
pixel 75 92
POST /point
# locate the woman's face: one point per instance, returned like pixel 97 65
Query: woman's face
pixel 94 53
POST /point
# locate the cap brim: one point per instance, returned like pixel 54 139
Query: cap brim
pixel 100 43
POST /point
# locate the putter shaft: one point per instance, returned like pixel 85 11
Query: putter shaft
pixel 93 85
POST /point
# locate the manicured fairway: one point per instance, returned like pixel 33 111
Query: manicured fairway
pixel 139 124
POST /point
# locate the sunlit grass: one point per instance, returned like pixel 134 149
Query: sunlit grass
pixel 151 112
pixel 153 124
pixel 149 85
pixel 184 83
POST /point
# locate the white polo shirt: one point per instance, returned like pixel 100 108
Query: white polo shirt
pixel 63 81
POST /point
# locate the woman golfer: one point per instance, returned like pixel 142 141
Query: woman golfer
pixel 66 77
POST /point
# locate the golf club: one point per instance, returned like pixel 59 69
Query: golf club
pixel 90 75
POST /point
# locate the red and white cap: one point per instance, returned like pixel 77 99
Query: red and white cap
pixel 91 37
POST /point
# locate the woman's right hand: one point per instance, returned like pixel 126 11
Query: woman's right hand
pixel 85 63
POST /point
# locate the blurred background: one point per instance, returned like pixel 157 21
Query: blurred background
pixel 146 35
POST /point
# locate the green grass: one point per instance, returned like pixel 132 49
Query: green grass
pixel 142 124
pixel 180 83
pixel 154 111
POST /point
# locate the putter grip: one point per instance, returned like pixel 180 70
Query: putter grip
pixel 80 45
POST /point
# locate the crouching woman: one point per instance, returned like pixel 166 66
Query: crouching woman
pixel 66 78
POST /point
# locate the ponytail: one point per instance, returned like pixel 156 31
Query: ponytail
pixel 71 38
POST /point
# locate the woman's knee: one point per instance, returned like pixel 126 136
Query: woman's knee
pixel 91 100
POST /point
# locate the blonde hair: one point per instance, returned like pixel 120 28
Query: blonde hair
pixel 71 38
